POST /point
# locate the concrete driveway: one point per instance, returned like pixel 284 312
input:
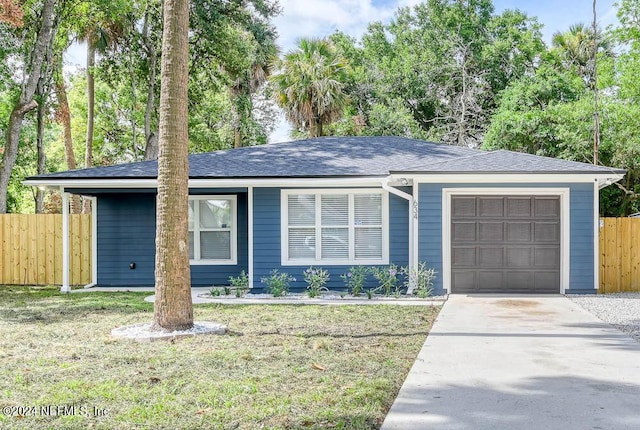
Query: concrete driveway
pixel 520 362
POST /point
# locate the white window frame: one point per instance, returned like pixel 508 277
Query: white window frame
pixel 197 229
pixel 284 227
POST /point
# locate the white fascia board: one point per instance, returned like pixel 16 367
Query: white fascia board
pixel 519 178
pixel 208 183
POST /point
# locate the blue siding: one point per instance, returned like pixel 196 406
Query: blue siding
pixel 581 251
pixel 267 238
pixel 126 234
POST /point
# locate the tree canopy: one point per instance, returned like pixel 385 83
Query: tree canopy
pixel 444 70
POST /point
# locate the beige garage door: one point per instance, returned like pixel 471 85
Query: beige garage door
pixel 505 244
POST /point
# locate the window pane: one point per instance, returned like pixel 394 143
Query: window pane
pixel 302 209
pixel 335 209
pixel 191 215
pixel 368 243
pixel 368 209
pixel 302 243
pixel 335 243
pixel 215 245
pixel 191 245
pixel 215 213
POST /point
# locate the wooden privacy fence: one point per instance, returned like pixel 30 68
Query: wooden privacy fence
pixel 31 249
pixel 619 255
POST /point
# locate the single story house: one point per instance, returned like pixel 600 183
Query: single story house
pixel 488 222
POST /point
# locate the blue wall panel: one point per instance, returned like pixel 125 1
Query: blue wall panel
pixel 126 234
pixel 581 245
pixel 267 238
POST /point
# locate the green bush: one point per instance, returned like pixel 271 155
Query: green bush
pixel 316 279
pixel 240 283
pixel 387 278
pixel 354 279
pixel 420 278
pixel 278 283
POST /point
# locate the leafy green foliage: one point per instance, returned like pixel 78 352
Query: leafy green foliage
pixel 387 278
pixel 309 85
pixel 316 279
pixel 278 283
pixel 420 279
pixel 354 279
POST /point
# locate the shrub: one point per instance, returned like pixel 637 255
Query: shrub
pixel 278 283
pixel 354 279
pixel 419 280
pixel 316 279
pixel 387 278
pixel 240 283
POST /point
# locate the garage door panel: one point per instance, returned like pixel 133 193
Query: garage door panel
pixel 546 232
pixel 464 280
pixel 505 244
pixel 546 207
pixel 490 207
pixel 490 280
pixel 546 257
pixel 489 231
pixel 464 256
pixel 518 231
pixel 547 282
pixel 519 281
pixel 519 257
pixel 518 207
pixel 462 231
pixel 463 207
pixel 489 256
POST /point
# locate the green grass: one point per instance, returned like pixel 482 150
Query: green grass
pixel 56 350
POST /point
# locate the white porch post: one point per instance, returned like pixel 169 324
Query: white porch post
pixel 596 235
pixel 94 243
pixel 250 232
pixel 66 288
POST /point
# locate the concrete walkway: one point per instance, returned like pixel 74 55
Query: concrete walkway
pixel 525 362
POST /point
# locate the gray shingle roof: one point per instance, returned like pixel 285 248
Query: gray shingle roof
pixel 341 157
pixel 502 161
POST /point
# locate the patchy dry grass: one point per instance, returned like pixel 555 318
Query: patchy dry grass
pixel 281 367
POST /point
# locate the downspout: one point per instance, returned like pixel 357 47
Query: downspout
pixel 412 221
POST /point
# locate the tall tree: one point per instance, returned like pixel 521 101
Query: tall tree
pixel 309 85
pixel 173 309
pixel 25 102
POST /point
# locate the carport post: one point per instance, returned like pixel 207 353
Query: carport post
pixel 65 242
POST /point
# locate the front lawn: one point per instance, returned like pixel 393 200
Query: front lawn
pixel 281 366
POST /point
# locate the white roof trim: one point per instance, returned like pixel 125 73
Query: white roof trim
pixel 604 179
pixel 205 183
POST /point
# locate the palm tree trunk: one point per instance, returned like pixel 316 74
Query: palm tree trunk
pixel 41 159
pixel 151 138
pixel 88 155
pixel 25 102
pixel 173 309
pixel 63 113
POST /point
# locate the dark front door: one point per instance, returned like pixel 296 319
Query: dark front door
pixel 505 244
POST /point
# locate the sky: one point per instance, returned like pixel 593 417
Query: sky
pixel 319 18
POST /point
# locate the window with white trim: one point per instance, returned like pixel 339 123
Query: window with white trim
pixel 335 227
pixel 212 229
